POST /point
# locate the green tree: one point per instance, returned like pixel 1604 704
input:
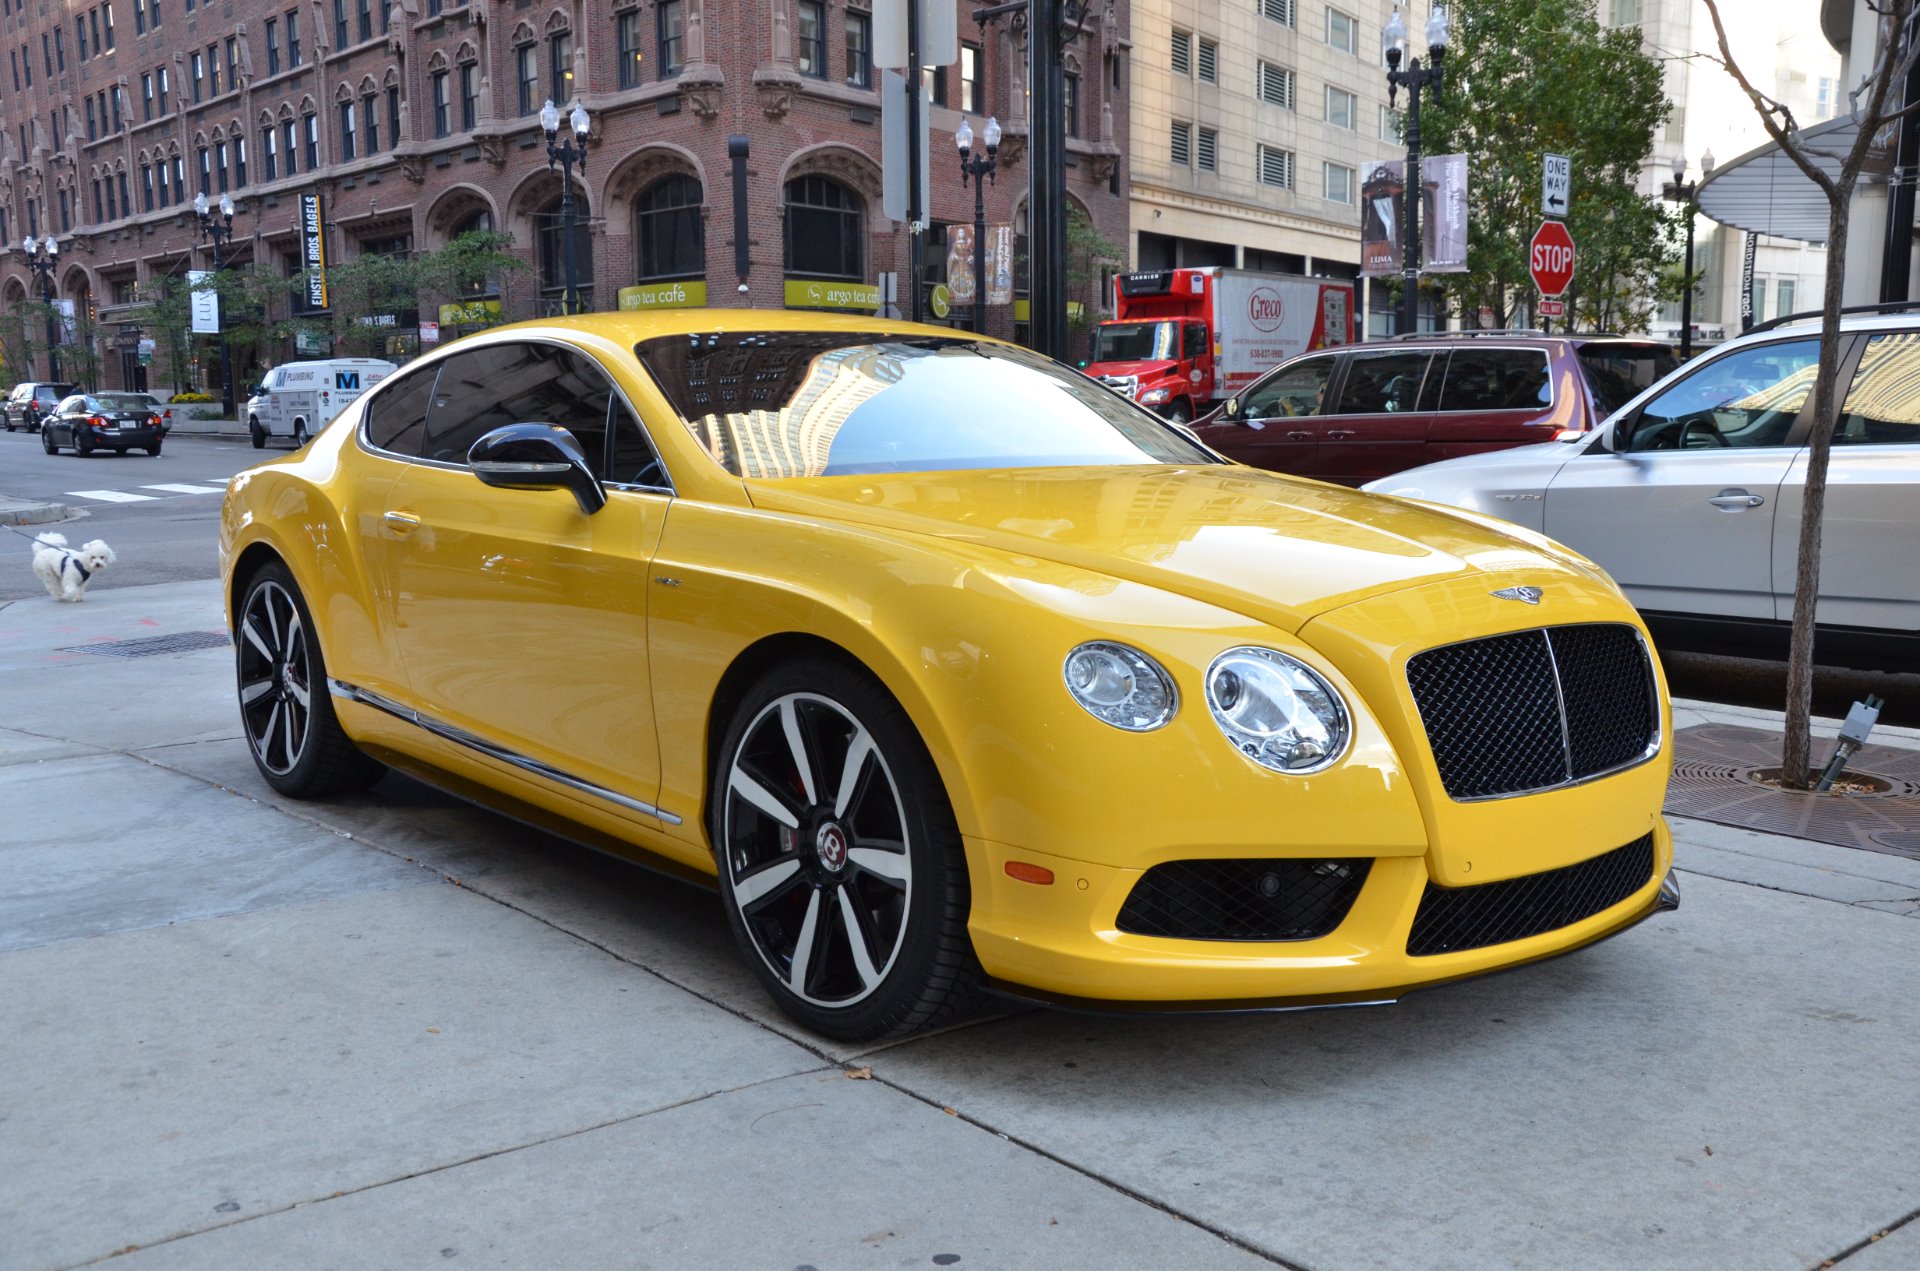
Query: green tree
pixel 22 331
pixel 473 267
pixel 361 293
pixel 1087 250
pixel 164 310
pixel 1528 77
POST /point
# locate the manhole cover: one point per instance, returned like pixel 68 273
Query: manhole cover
pixel 154 646
pixel 1719 775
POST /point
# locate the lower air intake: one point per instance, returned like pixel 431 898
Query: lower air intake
pixel 1243 900
pixel 1454 918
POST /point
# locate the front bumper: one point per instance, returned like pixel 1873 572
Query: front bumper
pixel 1061 943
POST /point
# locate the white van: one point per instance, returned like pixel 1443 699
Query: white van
pixel 298 399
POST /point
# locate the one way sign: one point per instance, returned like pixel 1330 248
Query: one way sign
pixel 1556 185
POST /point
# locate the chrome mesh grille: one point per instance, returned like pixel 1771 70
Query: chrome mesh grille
pixel 1535 709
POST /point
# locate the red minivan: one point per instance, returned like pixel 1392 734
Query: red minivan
pixel 1363 411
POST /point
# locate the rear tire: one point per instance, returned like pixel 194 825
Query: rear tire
pixel 299 433
pixel 154 450
pixel 285 707
pixel 46 442
pixel 83 446
pixel 841 867
pixel 259 434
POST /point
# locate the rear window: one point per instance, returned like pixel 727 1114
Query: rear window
pixel 1496 379
pixel 1617 373
pixel 804 403
pixel 124 401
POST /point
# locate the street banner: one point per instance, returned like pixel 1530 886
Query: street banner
pixel 313 249
pixel 205 302
pixel 1443 217
pixel 999 264
pixel 1746 282
pixel 69 323
pixel 960 263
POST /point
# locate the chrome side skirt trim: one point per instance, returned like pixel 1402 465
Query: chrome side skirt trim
pixel 493 750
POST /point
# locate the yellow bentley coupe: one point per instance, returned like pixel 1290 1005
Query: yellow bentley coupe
pixel 952 669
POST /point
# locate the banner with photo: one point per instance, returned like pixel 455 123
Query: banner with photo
pixel 1443 216
pixel 999 264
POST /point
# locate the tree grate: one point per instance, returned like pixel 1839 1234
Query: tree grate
pixel 154 646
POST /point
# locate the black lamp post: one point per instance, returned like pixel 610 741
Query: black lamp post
pixel 43 257
pixel 1681 190
pixel 218 230
pixel 1393 39
pixel 973 169
pixel 568 153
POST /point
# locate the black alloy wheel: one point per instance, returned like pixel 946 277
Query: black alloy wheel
pixel 840 864
pixel 296 741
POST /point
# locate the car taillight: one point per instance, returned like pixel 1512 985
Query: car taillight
pixel 153 421
pixel 96 421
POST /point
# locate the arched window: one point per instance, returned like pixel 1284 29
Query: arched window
pixel 553 255
pixel 488 287
pixel 825 224
pixel 668 230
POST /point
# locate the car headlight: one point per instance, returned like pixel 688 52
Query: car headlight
pixel 1277 711
pixel 1153 397
pixel 1120 685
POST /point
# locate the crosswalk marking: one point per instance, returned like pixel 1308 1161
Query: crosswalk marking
pixel 111 496
pixel 187 489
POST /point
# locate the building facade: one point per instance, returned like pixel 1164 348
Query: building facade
pixel 1254 124
pixel 418 120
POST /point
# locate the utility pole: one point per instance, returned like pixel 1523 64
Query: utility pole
pixel 1047 202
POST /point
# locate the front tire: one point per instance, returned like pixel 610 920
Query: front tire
pixel 257 433
pixel 46 441
pixel 82 444
pixel 840 864
pixel 1179 413
pixel 285 707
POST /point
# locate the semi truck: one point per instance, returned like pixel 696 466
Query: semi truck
pixel 1183 340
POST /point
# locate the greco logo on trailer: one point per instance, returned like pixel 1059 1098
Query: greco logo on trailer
pixel 1265 309
pixel 347 381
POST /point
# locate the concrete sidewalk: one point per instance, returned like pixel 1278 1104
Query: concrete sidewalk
pixel 393 1030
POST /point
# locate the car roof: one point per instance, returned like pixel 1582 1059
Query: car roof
pixel 1848 322
pixel 634 326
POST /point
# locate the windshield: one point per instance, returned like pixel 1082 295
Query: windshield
pixel 806 404
pixel 1135 341
pixel 1617 373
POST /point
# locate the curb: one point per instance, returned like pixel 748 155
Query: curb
pixel 19 513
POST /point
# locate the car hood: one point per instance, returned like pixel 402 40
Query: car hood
pixel 1154 367
pixel 1279 549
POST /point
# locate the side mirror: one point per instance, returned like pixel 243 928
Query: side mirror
pixel 1619 439
pixel 536 457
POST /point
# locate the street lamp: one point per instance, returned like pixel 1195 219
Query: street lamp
pixel 43 257
pixel 219 231
pixel 1393 39
pixel 572 151
pixel 1681 190
pixel 973 169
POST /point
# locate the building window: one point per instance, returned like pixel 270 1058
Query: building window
pixel 526 71
pixel 293 38
pixel 1073 105
pixel 370 122
pixel 288 146
pixel 1390 124
pixel 139 17
pixel 311 125
pixel 79 42
pixel 179 179
pixel 106 15
pixel 270 152
pixel 162 174
pixel 469 95
pixel 197 69
pixel 99 205
pixel 146 187
pixel 1182 53
pixel 668 230
pixel 233 60
pixel 1282 11
pixel 552 249
pixel 153 13
pixel 811 39
pixel 670 33
pixel 1276 85
pixel 859 50
pixel 1206 154
pixel 60 46
pixel 1343 108
pixel 339 24
pixel 213 68
pixel 66 210
pixel 1181 154
pixel 1208 63
pixel 146 97
pixel 825 229
pixel 1276 167
pixel 126 203
pixel 119 112
pixel 206 170
pixel 973 96
pixel 393 113
pixel 1786 295
pixel 626 33
pixel 92 132
pixel 1626 12
pixel 273 46
pixel 1339 185
pixel 166 86
pixel 346 129
pixel 1343 31
pixel 386 16
pixel 440 104
pixel 560 67
pixel 363 18
pixel 220 166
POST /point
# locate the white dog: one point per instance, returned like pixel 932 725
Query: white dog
pixel 65 571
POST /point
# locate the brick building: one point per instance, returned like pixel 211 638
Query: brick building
pixel 416 120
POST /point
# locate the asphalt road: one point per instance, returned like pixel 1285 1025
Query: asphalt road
pixel 158 535
pixel 168 536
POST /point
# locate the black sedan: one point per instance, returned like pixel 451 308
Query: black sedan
pixel 103 421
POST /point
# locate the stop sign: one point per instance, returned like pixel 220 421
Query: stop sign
pixel 1550 259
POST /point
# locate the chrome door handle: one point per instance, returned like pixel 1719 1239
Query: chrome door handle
pixel 1735 500
pixel 1299 436
pixel 1341 432
pixel 402 522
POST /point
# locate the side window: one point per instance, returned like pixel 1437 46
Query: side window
pixel 1881 408
pixel 1196 341
pixel 633 461
pixel 502 384
pixel 397 415
pixel 1298 390
pixel 1496 379
pixel 1384 383
pixel 1744 399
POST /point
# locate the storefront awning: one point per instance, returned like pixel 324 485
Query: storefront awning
pixel 1765 192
